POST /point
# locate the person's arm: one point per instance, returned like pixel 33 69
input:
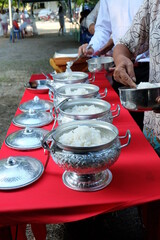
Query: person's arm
pixel 102 28
pixel 91 28
pixel 83 49
pixel 91 19
pixel 134 42
pixel 124 71
pixel 102 31
pixel 107 47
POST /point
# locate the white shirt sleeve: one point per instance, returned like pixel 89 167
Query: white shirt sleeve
pixel 102 27
pixel 92 17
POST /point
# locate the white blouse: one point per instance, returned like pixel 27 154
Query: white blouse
pixel 114 16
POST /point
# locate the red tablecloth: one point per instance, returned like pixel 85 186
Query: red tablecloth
pixel 136 178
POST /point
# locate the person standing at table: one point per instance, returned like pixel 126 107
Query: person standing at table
pixel 1 29
pixel 61 20
pixel 4 18
pixel 114 19
pixel 143 34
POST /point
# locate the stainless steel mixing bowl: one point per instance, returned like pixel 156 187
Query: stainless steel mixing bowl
pixel 139 99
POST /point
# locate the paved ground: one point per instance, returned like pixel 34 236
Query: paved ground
pixel 17 62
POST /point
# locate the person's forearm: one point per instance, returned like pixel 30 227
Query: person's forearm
pixel 124 70
pixel 120 51
pixel 109 45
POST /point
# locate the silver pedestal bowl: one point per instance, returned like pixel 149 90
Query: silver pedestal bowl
pixel 86 168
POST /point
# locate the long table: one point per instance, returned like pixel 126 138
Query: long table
pixel 136 177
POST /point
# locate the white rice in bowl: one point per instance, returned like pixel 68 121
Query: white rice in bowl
pixel 84 136
pixel 84 110
pixel 78 91
pixel 146 85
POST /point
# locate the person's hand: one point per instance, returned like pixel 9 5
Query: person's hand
pixel 158 99
pixel 83 49
pixel 157 108
pixel 91 28
pixel 124 72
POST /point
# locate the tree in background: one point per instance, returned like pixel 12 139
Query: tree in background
pixel 4 4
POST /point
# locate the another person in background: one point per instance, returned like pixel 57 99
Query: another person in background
pixel 25 21
pixel 142 35
pixel 16 19
pixel 1 29
pixel 4 22
pixel 91 19
pixel 61 20
pixel 85 35
pixel 114 19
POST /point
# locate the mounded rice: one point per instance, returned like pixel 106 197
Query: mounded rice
pixel 84 136
pixel 144 85
pixel 84 109
pixel 78 91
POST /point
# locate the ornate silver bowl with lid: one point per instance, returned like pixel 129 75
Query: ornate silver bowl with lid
pixel 86 167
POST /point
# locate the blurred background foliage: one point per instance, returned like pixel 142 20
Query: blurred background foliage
pixel 16 3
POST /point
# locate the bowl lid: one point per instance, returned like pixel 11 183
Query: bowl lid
pixel 36 104
pixel 26 139
pixel 19 171
pixel 33 118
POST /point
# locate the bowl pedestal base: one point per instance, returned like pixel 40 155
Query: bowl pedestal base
pixel 87 182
